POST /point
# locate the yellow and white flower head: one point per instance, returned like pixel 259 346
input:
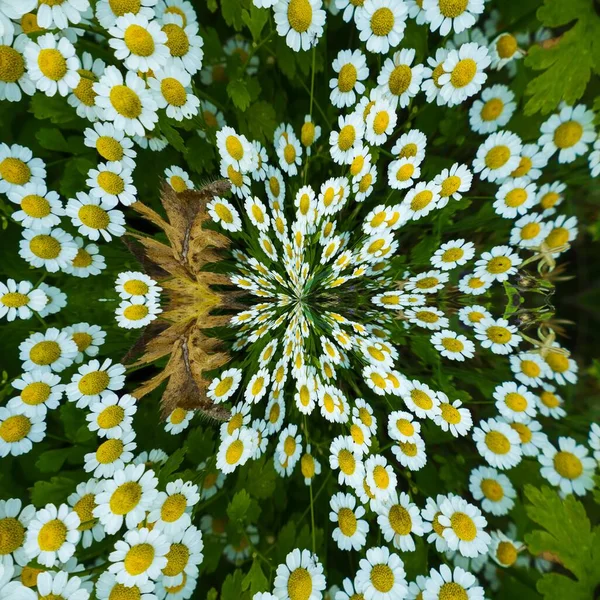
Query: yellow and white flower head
pixel 400 80
pixel 403 172
pixel 452 417
pixel 184 43
pixel 300 22
pixel 498 443
pixel 505 551
pixel 236 449
pixel 113 182
pixel 549 403
pixel 52 535
pixel 427 317
pixel 111 143
pixel 420 399
pixel 453 183
pixel 563 231
pixel 421 200
pixel 108 588
pixel 257 213
pixel 83 502
pixel 351 530
pixel 381 575
pixel 343 456
pixel 39 391
pixel 515 402
pixel 94 381
pixel 289 448
pixel 529 368
pixel 463 73
pixel 364 413
pixel 183 557
pixel 178 420
pixel 139 557
pixel 14 519
pixel 20 300
pixel 498 156
pixel 18 167
pixel 515 197
pixel 473 285
pixel 569 467
pixel 504 49
pixel 309 134
pixel 172 509
pixel 498 264
pixel 469 315
pixel 431 524
pixel 351 68
pixel 111 416
pixel 225 385
pixel 38 207
pixel 225 214
pixel 309 466
pixel 428 282
pixel 14 79
pixel 137 313
pixel 240 416
pixel 235 149
pixel 446 583
pixel 497 335
pixel 300 577
pixel 562 368
pixel 88 338
pixel 20 429
pixel 125 498
pixel 381 24
pixel 289 153
pixel 449 15
pixel 57 300
pixel 107 12
pixel 455 253
pixel 530 231
pixel 380 477
pixel 431 76
pixel 533 439
pixel 411 454
pixel 452 345
pixel 111 456
pixel 569 132
pixel 463 526
pixel 52 64
pixel 380 123
pixel 136 285
pixel 95 217
pixel 126 102
pixel 211 482
pixel 411 144
pixel 172 90
pixel 399 519
pixel 53 350
pixel 493 110
pixel 52 249
pixel 83 97
pixel 493 490
pixel 402 427
pixel 532 160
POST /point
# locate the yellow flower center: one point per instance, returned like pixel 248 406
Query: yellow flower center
pixel 381 122
pixel 463 73
pixel 524 432
pixel 234 147
pixel 499 264
pixel 400 520
pixel 45 246
pixel 223 386
pixel 299 585
pixel 450 186
pixel 453 254
pixel 307 134
pixel 274 413
pixel 346 461
pixel 93 383
pixel 497 157
pixel 93 216
pixel 289 446
pixel 450 414
pixel 177 40
pixel 497 442
pixel 35 206
pixel 421 399
pixel 52 64
pixel 125 498
pixel 365 416
pixel 29 23
pixel 135 287
pixel 109 148
pixel 506 553
pixel 498 335
pixel 475 316
pixel 529 231
pixel 453 8
pixel 437 526
pixel 347 77
pixel 381 477
pixel 506 46
pixel 139 41
pixel 549 399
pixel 109 451
pixel 405 172
pixel 122 592
pixel 138 559
pixel 568 134
pixel 400 79
pixel 12 65
pixel 45 353
pixel 84 508
pixel 382 577
pixel 549 200
pixel 111 183
pixel 492 109
pixel 558 362
pixel 173 508
pixel 289 154
pixel 437 73
pixel 177 559
pixel 408 151
pixel 125 101
pixel 515 197
pixel 347 137
pixel 52 535
pixel 365 182
pixel 347 522
pixel 35 393
pixel 14 299
pixel 84 90
pixel 452 344
pixel 568 465
pixel 173 92
pixel 234 452
pixel 419 202
pixel 452 591
pixel 122 7
pixel 223 213
pixel 111 416
pixel 307 466
pixel 177 416
pixel 178 183
pixel 516 402
pixel 15 171
pixel 12 535
pixel 559 236
pixel 492 490
pixel 299 14
pixel 382 21
pixel 524 167
pixel 463 526
pixel 235 176
pixel 405 427
pixel 135 312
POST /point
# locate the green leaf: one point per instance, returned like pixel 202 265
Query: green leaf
pixel 200 155
pixel 286 58
pixel 54 491
pixel 242 508
pixel 567 62
pixel 173 136
pixel 255 20
pixel 239 93
pixel 173 463
pixel 255 579
pixel 286 541
pixel 232 13
pixel 260 121
pixel 51 461
pixel 232 586
pixel 212 6
pixel 52 139
pixel 75 175
pixel 567 535
pixel 260 478
pixel 54 108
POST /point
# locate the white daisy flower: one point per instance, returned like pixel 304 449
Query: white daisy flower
pixel 107 588
pixel 563 231
pixel 136 285
pixel 529 231
pixel 381 25
pixel 400 80
pixel 184 43
pixel 301 576
pixel 380 123
pixel 172 90
pixel 402 173
pixel 112 144
pixel 18 168
pixel 549 403
pixel 533 439
pixel 498 264
pixel 111 182
pixel 135 313
pixel 504 49
pixel 381 575
pixel 497 335
pixel 427 317
pixel 52 249
pixel 52 64
pixel 53 350
pixel 14 519
pixel 504 550
pixel 462 584
pixel 549 196
pixel 38 207
pixel 448 16
pixel 178 179
pixel 351 531
pixel 411 455
pixel 432 73
pixel 411 144
pixel 399 518
pixel 235 449
pixel 532 160
pixel 95 217
pixel 83 502
pixel 458 421
pixel 493 110
pixel 235 149
pixel 343 456
pixel 562 367
pixel 87 261
pixel 569 468
pixel 469 315
pixel 94 381
pixel 515 197
pixel 39 391
pixel 19 430
pixel 351 68
pixel 52 535
pixel 309 134
pixel 183 557
pixel 111 456
pixel 57 300
pixel 493 490
pixel 178 420
pixel 498 156
pixel 498 443
pixel 453 254
pixel 515 402
pixel 420 399
pixel 452 345
pixel 224 213
pixel 380 477
pixel 289 447
pixel 83 97
pixel 126 102
pixel 421 200
pixel 529 368
pixel 225 385
pixel 172 509
pixel 20 300
pixel 453 183
pixel 300 22
pixel 111 416
pixel 14 78
pixel 431 524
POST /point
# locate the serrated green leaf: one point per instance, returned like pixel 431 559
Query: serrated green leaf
pixel 255 579
pixel 54 108
pixel 232 13
pixel 200 155
pixel 261 479
pixel 52 139
pixel 54 491
pixel 242 508
pixel 260 121
pixel 173 463
pixel 255 20
pixel 239 93
pixel 173 136
pixel 232 586
pixel 51 461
